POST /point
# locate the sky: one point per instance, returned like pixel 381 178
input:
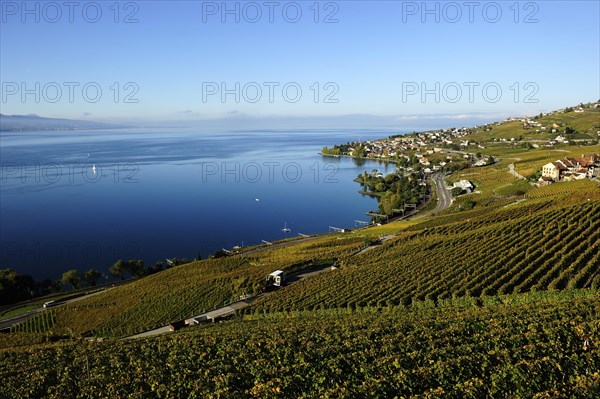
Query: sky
pixel 182 61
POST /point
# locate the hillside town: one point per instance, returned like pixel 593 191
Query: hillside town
pixel 456 148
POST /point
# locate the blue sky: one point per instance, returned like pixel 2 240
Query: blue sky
pixel 374 58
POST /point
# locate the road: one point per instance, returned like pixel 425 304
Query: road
pixel 443 194
pixel 444 198
pixel 234 307
pixel 512 171
pixel 8 323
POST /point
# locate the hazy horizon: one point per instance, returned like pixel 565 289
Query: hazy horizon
pixel 362 62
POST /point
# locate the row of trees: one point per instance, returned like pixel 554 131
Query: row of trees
pixel 120 269
pixel 16 287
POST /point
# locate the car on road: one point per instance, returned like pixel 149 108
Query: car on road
pixel 49 304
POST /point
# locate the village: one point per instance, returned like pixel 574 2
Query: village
pixel 448 150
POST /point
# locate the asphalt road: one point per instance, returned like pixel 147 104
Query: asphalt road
pixel 233 307
pixel 444 196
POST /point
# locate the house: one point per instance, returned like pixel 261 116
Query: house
pixel 561 139
pixel 552 170
pixel 572 168
pixel 465 185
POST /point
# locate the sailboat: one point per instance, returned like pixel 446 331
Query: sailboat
pixel 285 228
pixel 94 169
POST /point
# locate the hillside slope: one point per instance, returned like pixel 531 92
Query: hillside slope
pixel 550 242
pixel 535 345
pixel 546 239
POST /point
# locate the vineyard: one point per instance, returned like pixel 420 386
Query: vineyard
pixel 501 300
pixel 562 189
pixel 547 239
pixel 525 247
pixel 187 290
pixel 534 345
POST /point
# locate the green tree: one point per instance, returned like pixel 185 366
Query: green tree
pixel 91 277
pixel 157 267
pixel 56 286
pixel 136 267
pixel 359 152
pixel 118 269
pixel 456 191
pixel 14 287
pixel 71 277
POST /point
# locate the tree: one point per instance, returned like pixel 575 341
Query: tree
pixel 71 277
pixel 468 205
pixel 14 287
pixel 43 287
pixel 56 286
pixel 220 254
pixel 456 191
pixel 92 276
pixel 118 269
pixel 136 267
pixel 359 152
pixel 157 267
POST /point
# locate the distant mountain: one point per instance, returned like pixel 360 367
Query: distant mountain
pixel 33 122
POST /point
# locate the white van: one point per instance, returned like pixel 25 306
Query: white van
pixel 50 304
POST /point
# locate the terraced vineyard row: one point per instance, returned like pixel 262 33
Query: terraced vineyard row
pixel 552 249
pixel 37 324
pixel 192 289
pixel 561 189
pixel 518 346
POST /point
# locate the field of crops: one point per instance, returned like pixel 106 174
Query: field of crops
pixel 563 189
pixel 586 123
pixel 540 345
pixel 548 239
pixel 495 181
pixel 187 290
pixel 524 247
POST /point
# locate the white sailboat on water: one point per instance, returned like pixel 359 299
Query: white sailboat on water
pixel 285 228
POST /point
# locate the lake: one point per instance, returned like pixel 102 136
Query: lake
pixel 82 199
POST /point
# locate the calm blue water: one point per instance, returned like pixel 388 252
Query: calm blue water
pixel 167 193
